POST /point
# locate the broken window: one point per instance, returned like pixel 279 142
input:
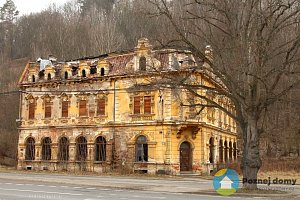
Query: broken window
pixel 101 106
pixel 65 109
pixel 63 149
pixel 81 149
pixel 74 70
pixel 225 151
pixel 102 71
pixel 93 70
pixel 33 78
pixel 147 104
pixel 100 149
pixel 49 77
pixel 30 149
pixel 66 75
pixel 46 149
pixel 31 112
pixel 83 73
pixel 141 149
pixel 230 151
pixel 82 108
pixel 142 63
pixel 137 105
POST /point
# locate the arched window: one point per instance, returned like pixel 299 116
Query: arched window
pixel 63 149
pixel 102 71
pixel 33 78
pixel 46 149
pixel 230 151
pixel 225 151
pixel 211 150
pixel 141 149
pixel 66 75
pixel 83 73
pixel 49 77
pixel 81 149
pixel 100 149
pixel 30 149
pixel 142 63
pixel 221 151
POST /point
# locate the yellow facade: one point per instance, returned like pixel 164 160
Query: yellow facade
pixel 110 119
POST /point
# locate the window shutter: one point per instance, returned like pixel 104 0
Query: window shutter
pixel 147 104
pixel 137 105
pixel 101 107
pixel 65 109
pixel 48 110
pixel 82 108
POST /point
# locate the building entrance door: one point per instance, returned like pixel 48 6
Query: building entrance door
pixel 185 157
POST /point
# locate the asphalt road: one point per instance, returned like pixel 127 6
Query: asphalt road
pixel 14 186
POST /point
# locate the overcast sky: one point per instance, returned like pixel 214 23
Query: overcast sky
pixel 28 6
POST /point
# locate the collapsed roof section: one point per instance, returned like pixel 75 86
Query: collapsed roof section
pixel 142 59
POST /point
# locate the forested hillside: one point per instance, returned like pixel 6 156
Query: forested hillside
pixel 93 27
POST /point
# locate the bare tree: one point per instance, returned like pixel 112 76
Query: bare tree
pixel 255 56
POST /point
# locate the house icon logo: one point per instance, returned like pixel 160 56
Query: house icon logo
pixel 226 182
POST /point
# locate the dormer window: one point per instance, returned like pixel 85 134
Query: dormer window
pixel 142 63
pixel 83 73
pixel 49 77
pixel 102 71
pixel 66 75
pixel 33 78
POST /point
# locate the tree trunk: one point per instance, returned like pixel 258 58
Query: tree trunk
pixel 251 161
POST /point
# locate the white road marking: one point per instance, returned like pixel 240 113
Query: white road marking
pixel 64 186
pixel 34 191
pixel 53 186
pixel 19 184
pixel 77 187
pixel 91 188
pixel 119 190
pixel 8 183
pixel 41 185
pixel 112 194
pixel 157 197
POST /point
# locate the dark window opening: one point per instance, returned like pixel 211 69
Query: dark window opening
pixel 63 149
pixel 81 149
pixel 46 149
pixel 74 70
pixel 101 106
pixel 65 109
pixel 66 75
pixel 49 77
pixel 234 151
pixel 137 105
pixel 30 149
pixel 225 151
pixel 230 151
pixel 141 149
pixel 41 74
pixel 33 78
pixel 102 71
pixel 211 150
pixel 93 70
pixel 100 154
pixel 83 73
pixel 82 108
pixel 147 104
pixel 48 109
pixel 142 63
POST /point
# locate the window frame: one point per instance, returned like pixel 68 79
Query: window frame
pixel 100 149
pixel 46 149
pixel 141 149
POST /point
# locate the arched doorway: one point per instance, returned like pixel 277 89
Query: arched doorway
pixel 185 157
